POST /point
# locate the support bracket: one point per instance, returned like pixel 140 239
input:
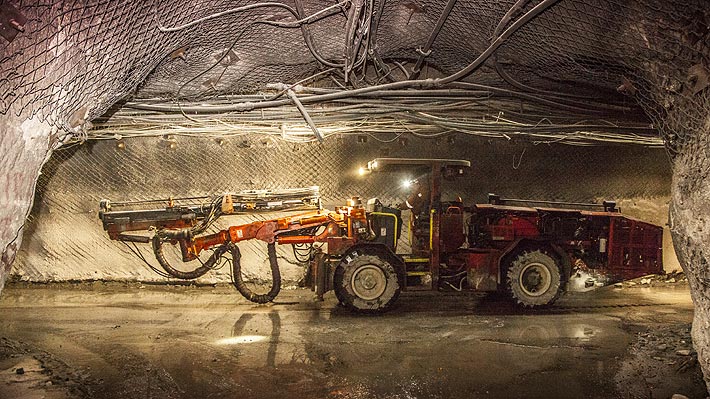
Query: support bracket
pixel 12 21
pixel 305 115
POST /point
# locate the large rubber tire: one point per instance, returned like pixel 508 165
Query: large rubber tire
pixel 366 283
pixel 534 279
pixel 339 293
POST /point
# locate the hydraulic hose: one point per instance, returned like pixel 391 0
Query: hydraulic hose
pixel 189 275
pixel 241 286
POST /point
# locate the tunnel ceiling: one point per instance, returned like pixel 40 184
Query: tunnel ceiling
pixel 575 72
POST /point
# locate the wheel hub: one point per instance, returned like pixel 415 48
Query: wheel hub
pixel 535 279
pixel 369 282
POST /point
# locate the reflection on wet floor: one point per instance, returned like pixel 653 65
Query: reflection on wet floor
pixel 161 342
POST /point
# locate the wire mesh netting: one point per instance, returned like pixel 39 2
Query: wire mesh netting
pixel 65 240
pixel 571 59
pixel 201 101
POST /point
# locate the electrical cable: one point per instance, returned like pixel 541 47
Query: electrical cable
pixel 428 83
pixel 305 31
pixel 303 252
pixel 223 13
pixel 137 252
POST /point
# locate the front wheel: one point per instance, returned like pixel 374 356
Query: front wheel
pixel 366 284
pixel 534 279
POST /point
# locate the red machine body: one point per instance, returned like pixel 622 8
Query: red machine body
pixel 606 243
pixel 532 253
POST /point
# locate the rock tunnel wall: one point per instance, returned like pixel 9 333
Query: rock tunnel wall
pixel 64 239
pixel 74 59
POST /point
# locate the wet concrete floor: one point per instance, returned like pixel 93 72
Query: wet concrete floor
pixel 128 341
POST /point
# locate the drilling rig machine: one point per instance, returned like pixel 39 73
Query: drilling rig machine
pixel 530 253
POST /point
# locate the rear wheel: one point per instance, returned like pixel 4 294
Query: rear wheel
pixel 534 279
pixel 366 283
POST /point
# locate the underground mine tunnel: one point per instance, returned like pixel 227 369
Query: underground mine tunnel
pixel 354 199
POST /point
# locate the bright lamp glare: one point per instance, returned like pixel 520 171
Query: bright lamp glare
pixel 242 339
pixel 361 171
pixel 406 183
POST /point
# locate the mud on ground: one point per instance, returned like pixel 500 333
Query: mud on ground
pixel 103 340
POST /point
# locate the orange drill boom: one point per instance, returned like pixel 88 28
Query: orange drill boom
pixel 266 231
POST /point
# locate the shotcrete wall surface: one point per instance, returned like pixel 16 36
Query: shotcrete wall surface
pixel 64 239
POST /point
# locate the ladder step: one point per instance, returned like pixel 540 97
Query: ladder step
pixel 422 273
pixel 416 260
